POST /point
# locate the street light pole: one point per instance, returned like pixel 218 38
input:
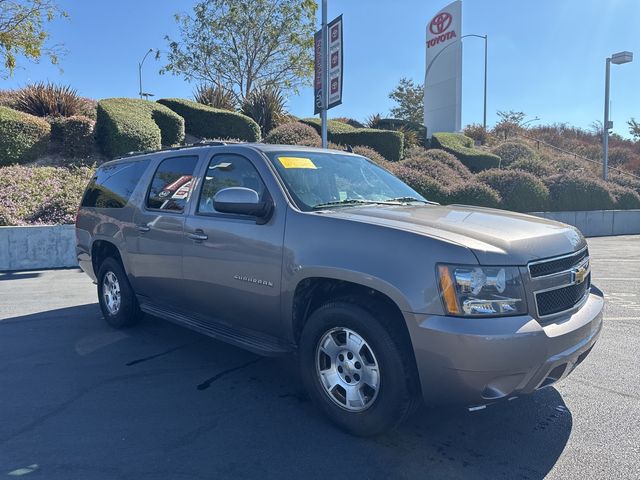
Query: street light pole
pixel 617 59
pixel 605 126
pixel 140 71
pixel 325 75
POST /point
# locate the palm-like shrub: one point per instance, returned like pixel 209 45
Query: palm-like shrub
pixel 215 96
pixel 266 106
pixel 49 100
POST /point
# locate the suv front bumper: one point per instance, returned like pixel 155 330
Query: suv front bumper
pixel 475 361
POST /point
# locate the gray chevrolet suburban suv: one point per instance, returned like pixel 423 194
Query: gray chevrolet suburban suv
pixel 386 299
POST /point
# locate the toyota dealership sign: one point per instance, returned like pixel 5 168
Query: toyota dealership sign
pixel 443 76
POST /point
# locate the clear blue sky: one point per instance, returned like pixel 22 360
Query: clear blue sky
pixel 546 57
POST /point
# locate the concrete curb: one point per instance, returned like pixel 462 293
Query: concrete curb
pixel 37 247
pixel 598 223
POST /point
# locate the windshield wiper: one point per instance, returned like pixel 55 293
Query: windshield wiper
pixel 407 199
pixel 354 201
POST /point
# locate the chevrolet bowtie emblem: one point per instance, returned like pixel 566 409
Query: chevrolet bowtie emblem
pixel 580 274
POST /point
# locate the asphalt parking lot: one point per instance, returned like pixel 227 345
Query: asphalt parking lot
pixel 80 400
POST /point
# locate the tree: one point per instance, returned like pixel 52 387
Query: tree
pixel 409 98
pixel 242 45
pixel 511 116
pixel 23 34
pixel 634 129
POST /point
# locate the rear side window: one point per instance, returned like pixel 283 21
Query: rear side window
pixel 172 183
pixel 113 185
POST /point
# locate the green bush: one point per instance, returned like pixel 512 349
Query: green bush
pixel 462 147
pixel 520 191
pixel 371 154
pixel 349 121
pixel 577 191
pixel 131 125
pixel 207 122
pixel 625 180
pixel 423 184
pixel 411 130
pixel 476 132
pixel 57 127
pixel 535 166
pixel 294 133
pixel 474 193
pixel 77 137
pixel 23 137
pixel 438 164
pixel 625 198
pixel 333 126
pixel 511 152
pixel 387 143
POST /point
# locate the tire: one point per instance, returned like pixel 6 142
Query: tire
pixel 115 295
pixel 375 410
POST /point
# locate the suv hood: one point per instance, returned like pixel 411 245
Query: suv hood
pixel 496 237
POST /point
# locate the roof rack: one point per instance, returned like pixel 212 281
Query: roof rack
pixel 202 143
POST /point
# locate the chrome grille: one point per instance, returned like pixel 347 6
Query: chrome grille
pixel 559 284
pixel 556 265
pixel 561 299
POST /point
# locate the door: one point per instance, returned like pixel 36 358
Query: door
pixel 157 260
pixel 231 264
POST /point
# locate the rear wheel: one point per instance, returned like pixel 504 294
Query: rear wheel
pixel 356 368
pixel 115 295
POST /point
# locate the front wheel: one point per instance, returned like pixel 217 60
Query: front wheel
pixel 357 368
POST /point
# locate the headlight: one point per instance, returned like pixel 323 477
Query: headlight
pixel 468 290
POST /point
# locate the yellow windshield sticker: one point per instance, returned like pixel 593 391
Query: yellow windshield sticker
pixel 296 162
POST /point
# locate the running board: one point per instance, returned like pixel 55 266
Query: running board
pixel 255 342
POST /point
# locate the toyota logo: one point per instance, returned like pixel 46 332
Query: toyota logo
pixel 440 23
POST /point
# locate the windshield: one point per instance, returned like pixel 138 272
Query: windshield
pixel 317 180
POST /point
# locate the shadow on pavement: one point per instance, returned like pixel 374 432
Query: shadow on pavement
pixel 79 399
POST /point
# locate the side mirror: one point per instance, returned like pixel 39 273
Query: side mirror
pixel 241 201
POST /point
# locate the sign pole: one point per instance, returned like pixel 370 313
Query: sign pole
pixel 325 74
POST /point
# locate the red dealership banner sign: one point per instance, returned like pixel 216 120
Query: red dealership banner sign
pixel 335 66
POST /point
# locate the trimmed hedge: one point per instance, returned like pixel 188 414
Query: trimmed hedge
pixel 208 122
pixel 294 133
pixel 131 125
pixel 474 193
pixel 535 166
pixel 426 186
pixel 333 126
pixel 438 164
pixel 575 191
pixel 511 152
pixel 23 137
pixel 77 137
pixel 387 143
pixel 371 154
pixel 625 198
pixel 462 147
pixel 520 191
pixel 398 124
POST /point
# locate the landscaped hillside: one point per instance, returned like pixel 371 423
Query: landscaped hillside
pixel 51 140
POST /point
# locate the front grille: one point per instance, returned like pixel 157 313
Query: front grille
pixel 540 269
pixel 561 299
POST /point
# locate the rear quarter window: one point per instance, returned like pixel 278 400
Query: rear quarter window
pixel 113 185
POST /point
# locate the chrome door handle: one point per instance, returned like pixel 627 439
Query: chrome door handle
pixel 143 228
pixel 198 236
